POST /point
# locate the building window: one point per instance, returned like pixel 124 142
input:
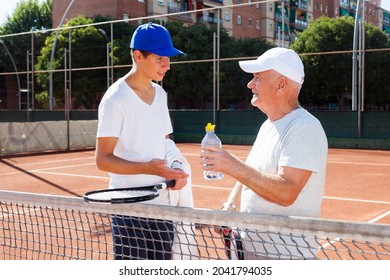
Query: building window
pixel 270 27
pixel 126 16
pixel 239 20
pixel 258 24
pixel 227 16
pixel 250 24
pixel 141 1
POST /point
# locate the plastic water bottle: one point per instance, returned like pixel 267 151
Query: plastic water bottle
pixel 211 140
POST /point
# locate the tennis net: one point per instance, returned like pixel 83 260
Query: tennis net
pixel 47 227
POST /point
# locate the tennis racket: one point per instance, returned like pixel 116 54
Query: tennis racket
pixel 127 195
pixel 231 237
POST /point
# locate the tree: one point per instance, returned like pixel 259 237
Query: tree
pixel 193 82
pixel 328 75
pixel 29 15
pixel 88 50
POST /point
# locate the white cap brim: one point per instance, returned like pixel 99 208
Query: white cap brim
pixel 252 66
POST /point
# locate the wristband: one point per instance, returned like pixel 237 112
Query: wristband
pixel 177 164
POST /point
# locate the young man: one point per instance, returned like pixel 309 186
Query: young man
pixel 134 147
pixel 284 173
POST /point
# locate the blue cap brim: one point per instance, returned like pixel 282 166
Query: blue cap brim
pixel 167 52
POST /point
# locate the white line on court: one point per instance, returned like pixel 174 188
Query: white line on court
pixel 357 200
pixel 53 161
pixel 358 163
pixel 325 197
pixel 329 161
pixel 73 175
pixel 198 155
pixel 379 217
pixel 48 168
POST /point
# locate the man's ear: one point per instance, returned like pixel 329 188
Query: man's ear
pixel 282 82
pixel 137 55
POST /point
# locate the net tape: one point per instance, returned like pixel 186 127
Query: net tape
pixel 34 226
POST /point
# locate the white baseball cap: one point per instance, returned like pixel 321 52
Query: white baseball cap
pixel 282 60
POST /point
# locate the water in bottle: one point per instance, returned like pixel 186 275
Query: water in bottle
pixel 211 140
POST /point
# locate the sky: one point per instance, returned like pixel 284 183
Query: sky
pixel 8 6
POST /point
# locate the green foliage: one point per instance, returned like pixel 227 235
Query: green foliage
pixel 191 84
pixel 329 75
pixel 29 15
pixel 43 99
pixel 88 50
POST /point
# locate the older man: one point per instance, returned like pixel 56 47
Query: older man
pixel 284 173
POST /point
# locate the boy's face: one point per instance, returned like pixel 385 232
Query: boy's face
pixel 153 66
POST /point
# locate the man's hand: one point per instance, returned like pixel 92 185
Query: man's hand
pixel 159 167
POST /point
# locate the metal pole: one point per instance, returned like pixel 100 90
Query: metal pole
pixel 65 76
pixel 28 87
pixel 359 100
pixel 108 64
pixel 107 55
pixel 16 70
pixel 52 57
pixel 218 56
pixel 70 69
pixel 66 97
pixel 363 53
pixel 214 71
pixel 32 73
pixel 354 59
pixel 112 53
pixel 282 23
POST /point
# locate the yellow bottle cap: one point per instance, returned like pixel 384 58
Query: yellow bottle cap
pixel 210 127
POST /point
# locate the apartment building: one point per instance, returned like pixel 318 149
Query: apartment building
pixel 275 21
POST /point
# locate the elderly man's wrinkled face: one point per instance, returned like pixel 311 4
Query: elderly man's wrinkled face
pixel 263 86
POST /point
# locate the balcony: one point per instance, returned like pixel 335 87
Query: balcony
pixel 278 17
pixel 208 19
pixel 298 4
pixel 173 10
pixel 213 3
pixel 278 35
pixel 300 24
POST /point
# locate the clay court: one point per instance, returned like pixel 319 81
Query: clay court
pixel 357 183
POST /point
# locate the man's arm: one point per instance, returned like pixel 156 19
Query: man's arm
pixel 282 188
pixel 107 161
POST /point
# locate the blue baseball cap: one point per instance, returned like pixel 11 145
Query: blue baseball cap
pixel 154 38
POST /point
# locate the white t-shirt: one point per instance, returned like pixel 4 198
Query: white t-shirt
pixel 297 140
pixel 141 129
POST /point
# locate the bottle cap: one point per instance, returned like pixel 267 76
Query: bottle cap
pixel 210 127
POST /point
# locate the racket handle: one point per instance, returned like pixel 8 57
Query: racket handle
pixel 170 183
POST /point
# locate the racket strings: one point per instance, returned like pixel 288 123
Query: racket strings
pixel 122 194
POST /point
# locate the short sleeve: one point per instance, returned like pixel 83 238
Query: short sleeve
pixel 111 117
